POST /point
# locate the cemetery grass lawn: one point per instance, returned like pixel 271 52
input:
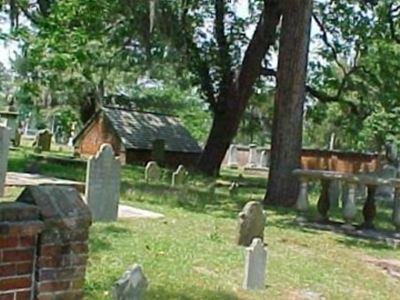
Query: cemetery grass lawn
pixel 191 254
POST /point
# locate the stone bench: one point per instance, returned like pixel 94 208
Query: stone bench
pixel 349 208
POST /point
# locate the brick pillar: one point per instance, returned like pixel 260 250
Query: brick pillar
pixel 62 246
pixel 19 228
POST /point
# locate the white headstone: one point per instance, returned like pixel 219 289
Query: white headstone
pixel 263 159
pixel 4 146
pixel 255 266
pixel 103 178
pixel 131 286
pixel 232 157
pixel 152 172
pixel 252 162
pixel 179 176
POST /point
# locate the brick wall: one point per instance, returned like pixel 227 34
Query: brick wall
pixel 19 228
pixel 43 245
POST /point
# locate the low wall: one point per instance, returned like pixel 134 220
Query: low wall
pixel 44 244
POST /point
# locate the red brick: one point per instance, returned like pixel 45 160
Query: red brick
pixel 61 274
pixel 50 261
pixel 17 255
pixel 52 250
pixel 24 268
pixel 8 270
pixel 79 247
pixel 54 286
pixel 8 296
pixel 15 283
pixel 74 260
pixel 8 242
pixel 23 295
pixel 27 241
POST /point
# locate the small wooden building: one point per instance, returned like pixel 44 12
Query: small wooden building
pixel 133 134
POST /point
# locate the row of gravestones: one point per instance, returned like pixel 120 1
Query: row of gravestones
pixel 255 160
pixel 153 174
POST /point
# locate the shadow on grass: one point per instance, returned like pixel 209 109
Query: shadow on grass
pixel 161 293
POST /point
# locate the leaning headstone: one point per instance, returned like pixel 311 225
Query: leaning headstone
pixel 152 172
pixel 131 286
pixel 158 153
pixel 252 162
pixel 179 176
pixel 232 157
pixel 43 140
pixel 385 193
pixel 4 146
pixel 251 223
pixel 103 184
pixel 255 266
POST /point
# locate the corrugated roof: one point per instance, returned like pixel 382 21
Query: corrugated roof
pixel 138 130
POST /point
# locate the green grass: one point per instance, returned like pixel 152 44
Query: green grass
pixel 191 254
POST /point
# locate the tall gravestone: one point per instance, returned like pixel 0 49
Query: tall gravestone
pixel 255 266
pixel 158 152
pixel 179 176
pixel 252 162
pixel 4 146
pixel 103 178
pixel 152 172
pixel 232 157
pixel 263 159
pixel 251 223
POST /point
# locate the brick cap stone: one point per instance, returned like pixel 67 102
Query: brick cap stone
pixel 18 212
pixel 58 206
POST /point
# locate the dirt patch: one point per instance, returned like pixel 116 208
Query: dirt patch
pixel 389 266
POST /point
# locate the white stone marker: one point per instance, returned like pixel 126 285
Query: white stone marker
pixel 252 162
pixel 4 146
pixel 255 266
pixel 103 179
pixel 232 157
pixel 152 172
pixel 263 159
pixel 179 176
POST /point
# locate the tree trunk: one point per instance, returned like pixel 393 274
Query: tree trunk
pixel 289 101
pixel 232 103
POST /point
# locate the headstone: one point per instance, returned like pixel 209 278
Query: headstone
pixel 43 140
pixel 179 176
pixel 251 223
pixel 103 184
pixel 255 266
pixel 385 193
pixel 263 159
pixel 152 172
pixel 232 157
pixel 158 153
pixel 252 162
pixel 131 286
pixel 4 148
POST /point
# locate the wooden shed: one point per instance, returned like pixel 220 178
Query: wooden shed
pixel 133 134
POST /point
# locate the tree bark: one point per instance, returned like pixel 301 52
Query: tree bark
pixel 287 126
pixel 232 102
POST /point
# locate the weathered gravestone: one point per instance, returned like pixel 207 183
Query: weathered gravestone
pixel 103 184
pixel 232 157
pixel 158 152
pixel 179 176
pixel 251 223
pixel 255 266
pixel 152 172
pixel 43 140
pixel 263 159
pixel 4 146
pixel 252 162
pixel 131 286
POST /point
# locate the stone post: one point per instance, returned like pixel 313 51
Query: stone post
pixel 4 148
pixel 302 204
pixel 264 159
pixel 349 207
pixel 232 156
pixel 255 266
pixel 252 162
